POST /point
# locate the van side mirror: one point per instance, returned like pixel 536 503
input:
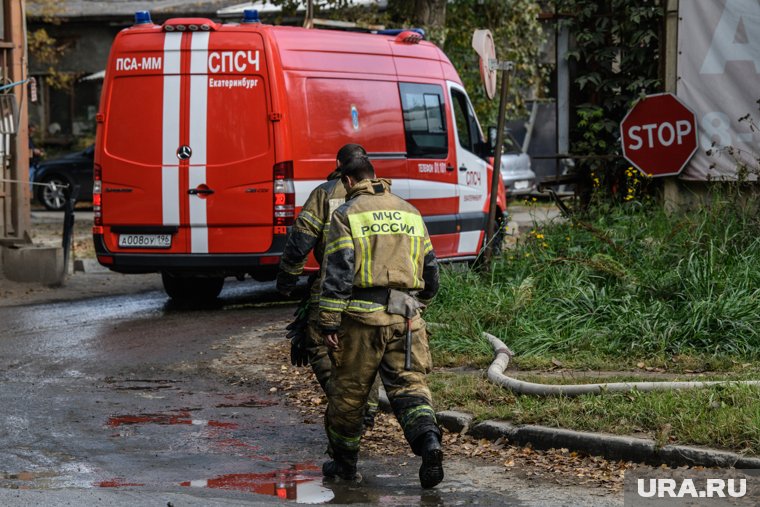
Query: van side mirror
pixel 485 148
pixel 492 133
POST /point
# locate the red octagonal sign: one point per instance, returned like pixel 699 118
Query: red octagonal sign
pixel 659 135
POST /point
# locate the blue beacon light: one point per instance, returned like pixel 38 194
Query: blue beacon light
pixel 142 18
pixel 251 16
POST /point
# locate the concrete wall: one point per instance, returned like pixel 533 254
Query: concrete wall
pixel 32 264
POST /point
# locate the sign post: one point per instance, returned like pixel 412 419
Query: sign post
pixel 482 42
pixel 659 135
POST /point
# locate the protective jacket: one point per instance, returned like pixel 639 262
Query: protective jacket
pixel 310 230
pixel 377 241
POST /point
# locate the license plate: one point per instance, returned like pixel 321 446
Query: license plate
pixel 522 185
pixel 145 240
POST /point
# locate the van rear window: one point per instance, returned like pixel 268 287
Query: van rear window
pixel 424 120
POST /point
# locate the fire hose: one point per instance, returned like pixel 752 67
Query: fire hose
pixel 501 361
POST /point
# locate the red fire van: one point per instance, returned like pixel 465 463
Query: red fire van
pixel 211 136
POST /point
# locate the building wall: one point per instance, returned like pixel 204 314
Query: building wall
pixel 66 116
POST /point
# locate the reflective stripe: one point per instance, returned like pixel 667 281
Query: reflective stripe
pixel 170 130
pixel 332 304
pixel 360 305
pixel 415 413
pixel 338 244
pixel 348 443
pixel 468 241
pixel 198 135
pixel 371 223
pixel 290 271
pixel 312 219
pixel 366 263
pixel 415 254
pixel 428 246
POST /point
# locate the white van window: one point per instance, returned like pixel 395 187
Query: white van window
pixel 424 120
pixel 466 124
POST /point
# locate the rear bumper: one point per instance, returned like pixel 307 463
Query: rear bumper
pixel 189 263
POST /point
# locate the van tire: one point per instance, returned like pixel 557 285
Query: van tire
pixel 191 288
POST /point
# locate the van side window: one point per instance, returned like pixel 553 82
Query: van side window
pixel 424 120
pixel 467 126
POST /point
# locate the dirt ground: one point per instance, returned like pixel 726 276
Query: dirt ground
pixel 47 230
pixel 243 360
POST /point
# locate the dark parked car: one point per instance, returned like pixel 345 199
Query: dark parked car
pixel 60 175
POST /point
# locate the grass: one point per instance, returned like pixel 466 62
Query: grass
pixel 627 284
pixel 726 417
pixel 609 291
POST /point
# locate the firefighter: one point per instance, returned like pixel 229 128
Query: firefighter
pixel 309 233
pixel 379 270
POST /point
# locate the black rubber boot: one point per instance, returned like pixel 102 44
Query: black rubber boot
pixel 431 470
pixel 342 468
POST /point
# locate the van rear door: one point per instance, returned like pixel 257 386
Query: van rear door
pixel 188 145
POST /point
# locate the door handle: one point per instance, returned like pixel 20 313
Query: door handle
pixel 462 167
pixel 449 167
pixel 200 191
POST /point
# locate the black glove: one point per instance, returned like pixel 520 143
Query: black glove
pixel 286 283
pixel 298 334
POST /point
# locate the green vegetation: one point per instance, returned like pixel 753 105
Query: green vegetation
pixel 626 284
pixel 625 288
pixel 725 417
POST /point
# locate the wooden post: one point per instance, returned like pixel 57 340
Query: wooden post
pixel 18 223
pixel 671 187
pixel 490 231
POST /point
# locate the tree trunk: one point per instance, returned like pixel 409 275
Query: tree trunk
pixel 431 15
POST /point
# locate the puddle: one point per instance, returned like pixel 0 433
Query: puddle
pixel 182 418
pixel 302 483
pixel 299 483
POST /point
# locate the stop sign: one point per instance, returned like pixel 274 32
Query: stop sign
pixel 659 135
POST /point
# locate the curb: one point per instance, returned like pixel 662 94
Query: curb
pixel 612 447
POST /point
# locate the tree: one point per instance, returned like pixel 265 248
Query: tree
pixel 45 49
pixel 617 60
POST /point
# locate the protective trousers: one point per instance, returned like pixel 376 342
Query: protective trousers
pixel 364 351
pixel 321 365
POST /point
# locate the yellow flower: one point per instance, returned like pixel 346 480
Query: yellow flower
pixel 527 254
pixel 545 244
pixel 539 236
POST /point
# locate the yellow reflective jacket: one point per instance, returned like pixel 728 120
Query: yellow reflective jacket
pixel 376 241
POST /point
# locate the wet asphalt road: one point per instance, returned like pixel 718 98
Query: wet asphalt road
pixel 103 402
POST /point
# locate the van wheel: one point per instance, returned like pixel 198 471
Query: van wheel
pixel 192 288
